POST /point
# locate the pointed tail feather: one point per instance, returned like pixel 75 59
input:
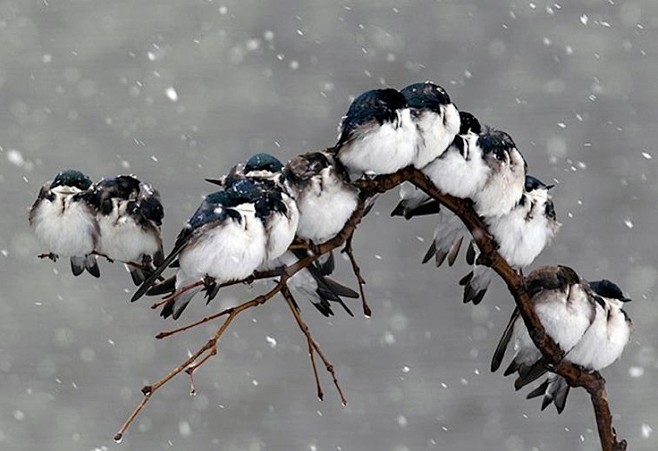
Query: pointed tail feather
pixel 454 250
pixel 530 374
pixel 77 265
pixel 91 265
pixel 164 287
pixel 471 253
pixel 399 209
pixel 177 305
pixel 429 208
pixel 430 252
pixel 339 289
pixel 499 353
pixel 137 275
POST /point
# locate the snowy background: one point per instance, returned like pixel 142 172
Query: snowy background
pixel 178 90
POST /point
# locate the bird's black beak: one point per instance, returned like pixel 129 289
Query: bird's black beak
pixel 215 181
pixel 548 187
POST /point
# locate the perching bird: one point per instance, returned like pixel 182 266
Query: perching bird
pixel 436 119
pixel 459 171
pixel 325 198
pixel 521 235
pixel 231 234
pixel 64 221
pixel 130 217
pixel 377 134
pixel 504 186
pixel 566 310
pixel 600 346
pixel 320 186
pixel 258 166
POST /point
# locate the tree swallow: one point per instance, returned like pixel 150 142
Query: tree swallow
pixel 325 198
pixel 258 166
pixel 64 221
pixel 459 171
pixel 436 119
pixel 564 307
pixel 378 134
pixel 130 216
pixel 504 186
pixel 520 234
pixel 602 343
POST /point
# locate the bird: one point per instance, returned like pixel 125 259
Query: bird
pixel 436 118
pixel 258 166
pixel 561 300
pixel 325 198
pixel 504 185
pixel 130 217
pixel 320 186
pixel 64 221
pixel 521 235
pixel 482 165
pixel 458 171
pixel 377 135
pixel 232 233
pixel 601 345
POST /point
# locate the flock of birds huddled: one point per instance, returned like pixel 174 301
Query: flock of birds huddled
pixel 262 206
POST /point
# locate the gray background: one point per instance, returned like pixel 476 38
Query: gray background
pixel 85 84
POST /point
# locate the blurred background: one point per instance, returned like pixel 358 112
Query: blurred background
pixel 178 90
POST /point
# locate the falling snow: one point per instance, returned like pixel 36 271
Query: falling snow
pixel 181 92
pixel 171 94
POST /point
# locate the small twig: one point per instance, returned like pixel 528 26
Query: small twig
pixel 295 313
pixel 210 346
pixel 190 369
pixel 357 273
pixel 313 347
pixel 204 320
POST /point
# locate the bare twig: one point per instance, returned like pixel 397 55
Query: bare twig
pixel 178 292
pixel 191 362
pixel 357 273
pixel 313 347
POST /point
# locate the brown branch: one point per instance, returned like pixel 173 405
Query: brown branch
pixel 210 348
pixel 575 376
pixel 357 273
pixel 191 362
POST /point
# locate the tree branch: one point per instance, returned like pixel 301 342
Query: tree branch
pixel 575 376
